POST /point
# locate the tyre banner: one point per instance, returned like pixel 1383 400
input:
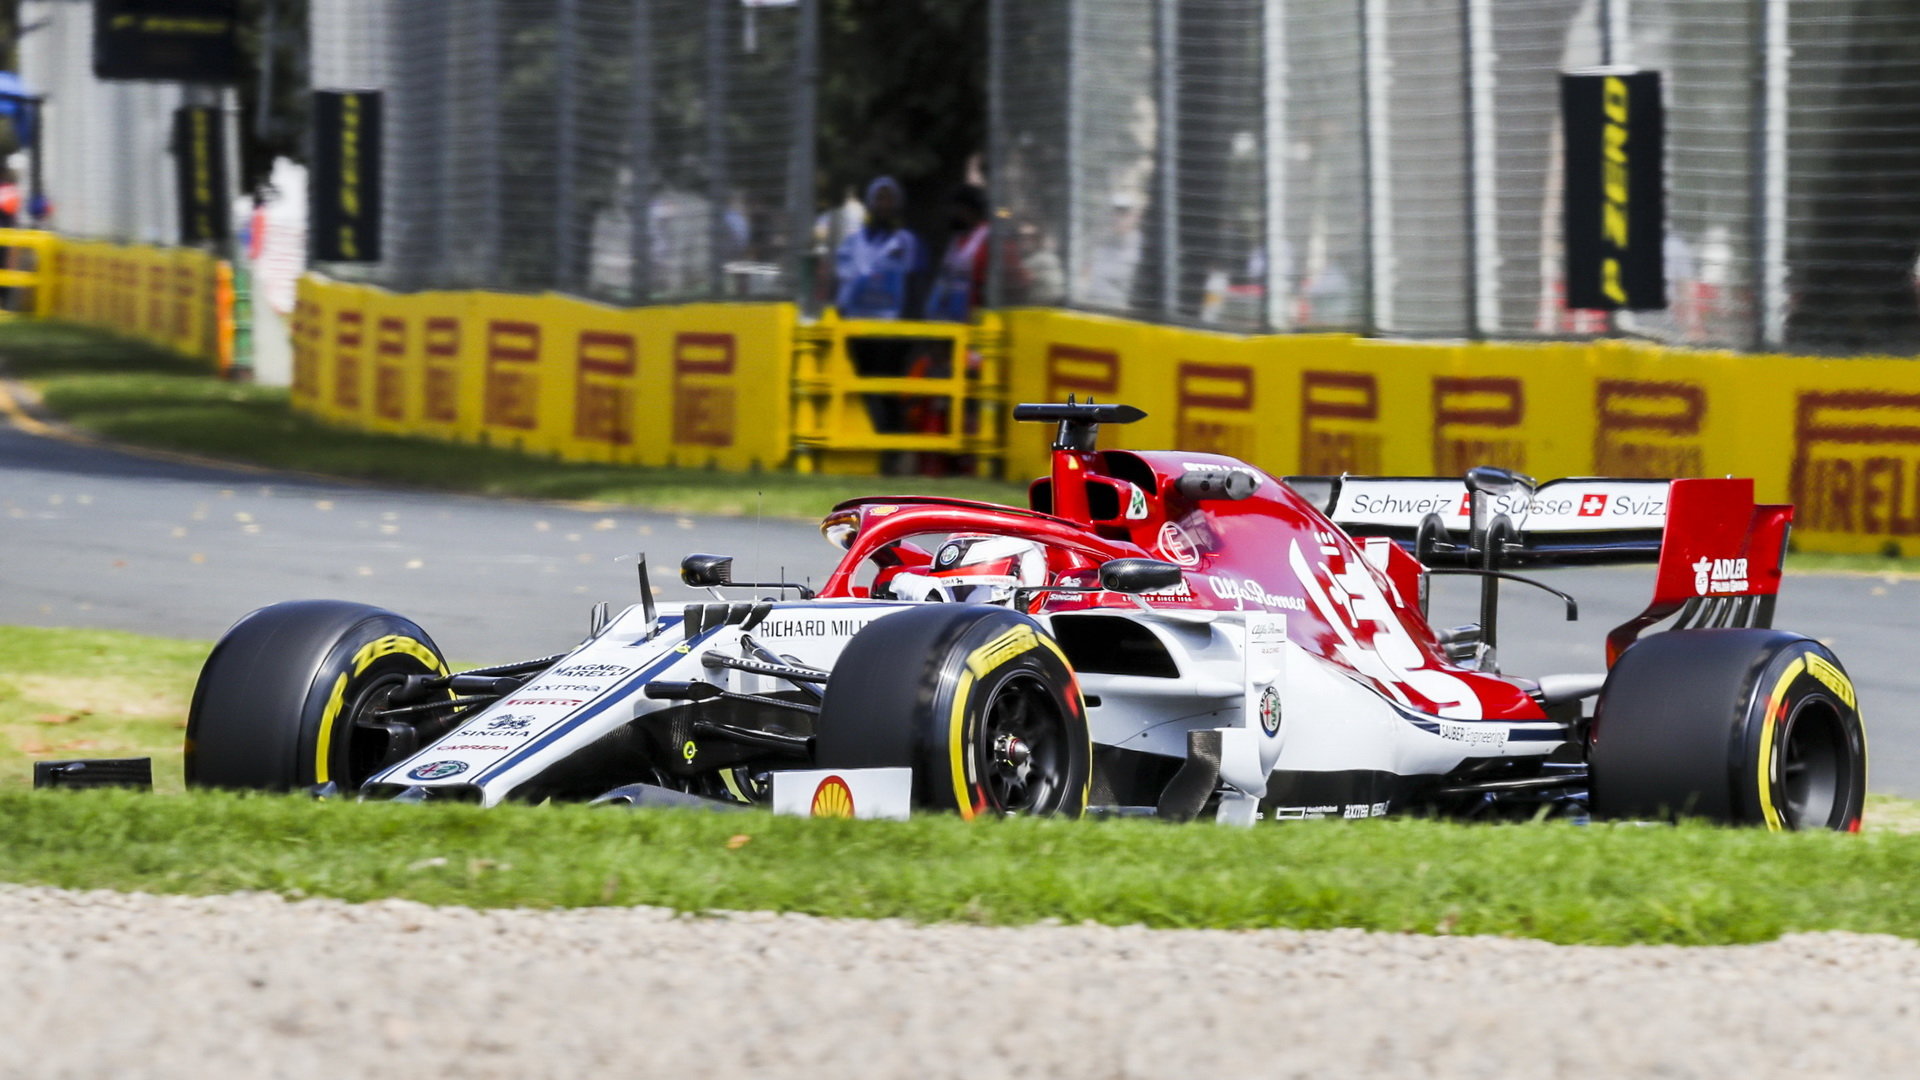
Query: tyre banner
pixel 200 167
pixel 344 194
pixel 1614 190
pixel 167 40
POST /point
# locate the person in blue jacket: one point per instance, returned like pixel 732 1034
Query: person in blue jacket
pixel 877 261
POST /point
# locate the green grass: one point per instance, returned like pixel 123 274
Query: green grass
pixel 93 694
pixel 1600 884
pixel 136 394
pixel 74 693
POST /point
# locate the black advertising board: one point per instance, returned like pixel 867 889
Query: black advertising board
pixel 200 162
pixel 167 40
pixel 345 186
pixel 1615 196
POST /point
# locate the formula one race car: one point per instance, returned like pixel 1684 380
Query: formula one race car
pixel 1160 633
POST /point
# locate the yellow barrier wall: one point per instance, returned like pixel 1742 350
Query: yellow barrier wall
pixel 712 385
pixel 161 295
pixel 699 385
pixel 1839 438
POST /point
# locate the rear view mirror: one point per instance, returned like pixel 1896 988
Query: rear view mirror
pixel 707 571
pixel 1135 576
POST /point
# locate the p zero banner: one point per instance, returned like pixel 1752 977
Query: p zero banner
pixel 1615 200
pixel 167 40
pixel 200 163
pixel 345 189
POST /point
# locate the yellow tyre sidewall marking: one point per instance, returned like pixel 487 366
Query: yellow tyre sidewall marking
pixel 1776 704
pixel 983 661
pixel 390 645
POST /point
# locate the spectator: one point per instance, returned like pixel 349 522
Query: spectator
pixel 874 262
pixel 9 199
pixel 960 285
pixel 1107 280
pixel 1046 279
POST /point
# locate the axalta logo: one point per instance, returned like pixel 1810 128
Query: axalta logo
pixel 1720 576
pixel 833 798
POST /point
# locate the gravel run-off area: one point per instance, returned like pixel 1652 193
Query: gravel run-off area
pixel 98 984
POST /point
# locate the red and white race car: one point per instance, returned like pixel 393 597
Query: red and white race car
pixel 1166 633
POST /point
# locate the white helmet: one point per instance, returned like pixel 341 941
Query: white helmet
pixel 973 569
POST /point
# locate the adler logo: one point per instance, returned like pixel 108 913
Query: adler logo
pixel 1720 576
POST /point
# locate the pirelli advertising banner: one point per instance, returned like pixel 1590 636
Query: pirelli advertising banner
pixel 193 41
pixel 1615 197
pixel 200 164
pixel 344 192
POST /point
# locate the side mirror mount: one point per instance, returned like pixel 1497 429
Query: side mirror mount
pixel 707 571
pixel 1135 576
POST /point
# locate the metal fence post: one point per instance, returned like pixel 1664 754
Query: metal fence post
pixel 640 157
pixel 996 151
pixel 565 141
pixel 1072 236
pixel 1483 240
pixel 716 115
pixel 1167 165
pixel 800 193
pixel 1273 163
pixel 1373 199
pixel 492 161
pixel 1769 173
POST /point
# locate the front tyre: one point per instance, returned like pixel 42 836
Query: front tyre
pixel 979 701
pixel 289 698
pixel 1747 727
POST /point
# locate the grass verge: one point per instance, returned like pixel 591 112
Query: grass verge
pixel 74 693
pixel 1597 885
pixel 93 694
pixel 136 394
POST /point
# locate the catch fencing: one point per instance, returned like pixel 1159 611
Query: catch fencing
pixel 631 151
pixel 1394 167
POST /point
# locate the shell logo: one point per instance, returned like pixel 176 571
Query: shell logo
pixel 833 798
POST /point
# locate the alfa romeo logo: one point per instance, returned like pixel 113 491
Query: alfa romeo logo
pixel 437 770
pixel 1270 711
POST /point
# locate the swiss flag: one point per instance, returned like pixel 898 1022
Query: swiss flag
pixel 1593 506
pixel 1466 505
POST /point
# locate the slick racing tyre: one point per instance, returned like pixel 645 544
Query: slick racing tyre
pixel 979 701
pixel 286 699
pixel 1748 727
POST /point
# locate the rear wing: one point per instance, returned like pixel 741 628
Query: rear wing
pixel 1718 552
pixel 1586 520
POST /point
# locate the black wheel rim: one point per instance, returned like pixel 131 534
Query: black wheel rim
pixel 1813 780
pixel 365 743
pixel 1024 743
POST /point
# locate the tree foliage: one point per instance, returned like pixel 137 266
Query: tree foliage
pixel 903 92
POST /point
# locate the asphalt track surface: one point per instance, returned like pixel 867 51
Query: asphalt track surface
pixel 107 538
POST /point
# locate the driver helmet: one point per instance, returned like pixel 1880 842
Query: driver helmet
pixel 973 569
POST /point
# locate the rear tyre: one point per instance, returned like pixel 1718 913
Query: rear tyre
pixel 286 699
pixel 1747 727
pixel 979 701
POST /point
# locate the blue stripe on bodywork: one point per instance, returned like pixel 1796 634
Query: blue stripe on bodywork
pixel 614 695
